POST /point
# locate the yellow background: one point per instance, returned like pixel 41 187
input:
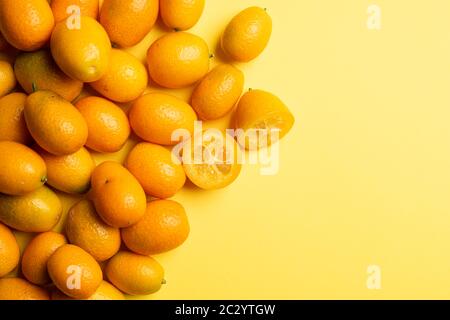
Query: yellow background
pixel 364 175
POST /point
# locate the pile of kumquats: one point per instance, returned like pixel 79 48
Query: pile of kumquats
pixel 53 49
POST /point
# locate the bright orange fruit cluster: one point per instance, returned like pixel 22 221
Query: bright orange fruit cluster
pixel 50 126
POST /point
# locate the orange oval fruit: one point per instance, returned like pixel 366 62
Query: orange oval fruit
pixel 82 53
pixel 74 271
pixel 135 274
pixel 178 60
pixel 218 92
pixel 70 173
pixel 125 79
pixel 26 24
pixel 7 78
pixel 106 291
pixel 154 168
pixel 164 227
pixel 118 197
pixel 88 8
pixel 247 34
pixel 9 251
pixel 155 116
pixel 12 121
pixel 107 123
pixel 262 110
pixel 37 211
pixel 36 255
pixel 87 230
pixel 127 21
pixel 38 70
pixel 214 164
pixel 19 289
pixel 21 169
pixel 54 123
pixel 181 14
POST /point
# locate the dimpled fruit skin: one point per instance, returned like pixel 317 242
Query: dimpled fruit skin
pixel 9 251
pixel 87 8
pixel 70 173
pixel 37 211
pixel 87 230
pixel 26 24
pixel 155 116
pixel 21 169
pixel 12 121
pixel 82 53
pixel 118 197
pixel 178 60
pixel 54 123
pixel 153 167
pixel 247 34
pixel 66 258
pixel 181 14
pixel 108 124
pixel 19 289
pixel 164 227
pixel 257 106
pixel 40 69
pixel 7 78
pixel 135 274
pixel 36 255
pixel 218 92
pixel 106 291
pixel 125 79
pixel 128 21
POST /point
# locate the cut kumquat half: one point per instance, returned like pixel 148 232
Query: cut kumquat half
pixel 211 160
pixel 265 115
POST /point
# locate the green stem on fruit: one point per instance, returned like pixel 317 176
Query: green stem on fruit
pixel 163 281
pixel 44 179
pixel 176 29
pixel 34 87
